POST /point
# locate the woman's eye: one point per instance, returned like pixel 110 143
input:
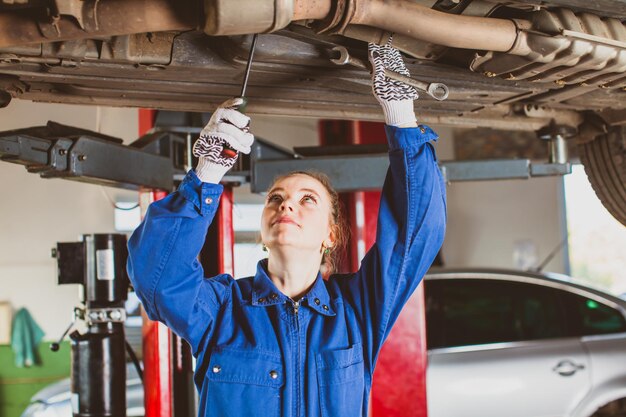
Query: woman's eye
pixel 309 198
pixel 273 198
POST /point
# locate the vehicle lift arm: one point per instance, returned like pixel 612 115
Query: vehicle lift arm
pixel 160 159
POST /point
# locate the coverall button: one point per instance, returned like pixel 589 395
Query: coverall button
pixel 317 301
pixel 422 129
pixel 262 300
pixel 273 374
pixel 208 200
pixel 325 307
pixel 216 369
pixel 274 296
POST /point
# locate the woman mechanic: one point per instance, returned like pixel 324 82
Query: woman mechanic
pixel 286 342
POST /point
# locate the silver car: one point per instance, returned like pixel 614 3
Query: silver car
pixel 501 344
pixel 55 399
pixel 518 344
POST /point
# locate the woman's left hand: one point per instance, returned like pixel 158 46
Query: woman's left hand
pixel 395 97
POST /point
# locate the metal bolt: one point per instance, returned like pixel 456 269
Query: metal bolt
pixel 62 151
pixel 82 157
pixel 115 315
pixel 490 74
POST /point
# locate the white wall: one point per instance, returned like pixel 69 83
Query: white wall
pixel 484 219
pixel 489 220
pixel 36 213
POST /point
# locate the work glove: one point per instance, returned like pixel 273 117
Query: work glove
pixel 227 127
pixel 395 97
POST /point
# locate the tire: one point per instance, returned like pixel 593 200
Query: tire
pixel 615 408
pixel 604 160
pixel 5 99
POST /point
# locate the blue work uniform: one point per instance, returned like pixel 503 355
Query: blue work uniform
pixel 259 353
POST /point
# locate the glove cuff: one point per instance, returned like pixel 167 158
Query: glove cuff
pixel 398 112
pixel 209 171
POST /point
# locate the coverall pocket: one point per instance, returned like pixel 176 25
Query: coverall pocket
pixel 244 383
pixel 340 375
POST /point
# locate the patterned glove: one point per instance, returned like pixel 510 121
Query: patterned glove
pixel 395 97
pixel 226 127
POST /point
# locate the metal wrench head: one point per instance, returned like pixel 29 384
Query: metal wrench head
pixel 438 91
pixel 344 56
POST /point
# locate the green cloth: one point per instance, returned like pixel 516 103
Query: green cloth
pixel 25 337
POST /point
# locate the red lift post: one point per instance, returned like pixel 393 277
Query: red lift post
pixel 399 386
pixel 168 384
pixel 156 336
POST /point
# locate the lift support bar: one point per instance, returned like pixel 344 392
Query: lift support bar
pixel 160 159
pixel 58 151
pixel 367 172
pixel 363 167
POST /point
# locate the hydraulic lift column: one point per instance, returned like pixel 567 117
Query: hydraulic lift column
pixel 167 358
pixel 168 381
pixel 399 386
pixel 156 337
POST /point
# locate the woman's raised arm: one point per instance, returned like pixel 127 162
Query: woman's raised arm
pixel 412 213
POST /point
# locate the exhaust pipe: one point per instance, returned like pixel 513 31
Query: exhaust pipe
pixel 399 16
pixel 419 22
pixel 97 18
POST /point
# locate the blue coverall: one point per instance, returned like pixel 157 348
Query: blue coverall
pixel 259 353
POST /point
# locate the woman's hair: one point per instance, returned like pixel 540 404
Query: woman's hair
pixel 330 261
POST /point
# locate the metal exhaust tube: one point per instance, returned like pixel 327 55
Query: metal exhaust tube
pixel 226 17
pixel 106 18
pixel 416 21
pixel 468 32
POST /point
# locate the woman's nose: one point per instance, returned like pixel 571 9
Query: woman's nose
pixel 286 205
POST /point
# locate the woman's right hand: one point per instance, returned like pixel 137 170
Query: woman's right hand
pixel 227 128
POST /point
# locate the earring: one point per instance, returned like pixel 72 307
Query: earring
pixel 264 248
pixel 326 251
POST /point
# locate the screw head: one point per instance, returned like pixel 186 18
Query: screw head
pixel 115 315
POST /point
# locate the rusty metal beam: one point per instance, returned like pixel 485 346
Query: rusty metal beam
pixel 105 18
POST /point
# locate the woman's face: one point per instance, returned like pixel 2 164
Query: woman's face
pixel 297 213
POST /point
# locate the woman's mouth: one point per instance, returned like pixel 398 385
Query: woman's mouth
pixel 286 220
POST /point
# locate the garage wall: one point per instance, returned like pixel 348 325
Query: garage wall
pixel 36 213
pixel 485 219
pixel 505 224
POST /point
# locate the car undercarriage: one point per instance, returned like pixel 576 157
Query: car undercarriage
pixel 545 66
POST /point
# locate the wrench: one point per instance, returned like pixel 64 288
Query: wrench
pixel 438 91
pixel 227 151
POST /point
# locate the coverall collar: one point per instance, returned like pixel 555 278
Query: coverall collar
pixel 265 293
